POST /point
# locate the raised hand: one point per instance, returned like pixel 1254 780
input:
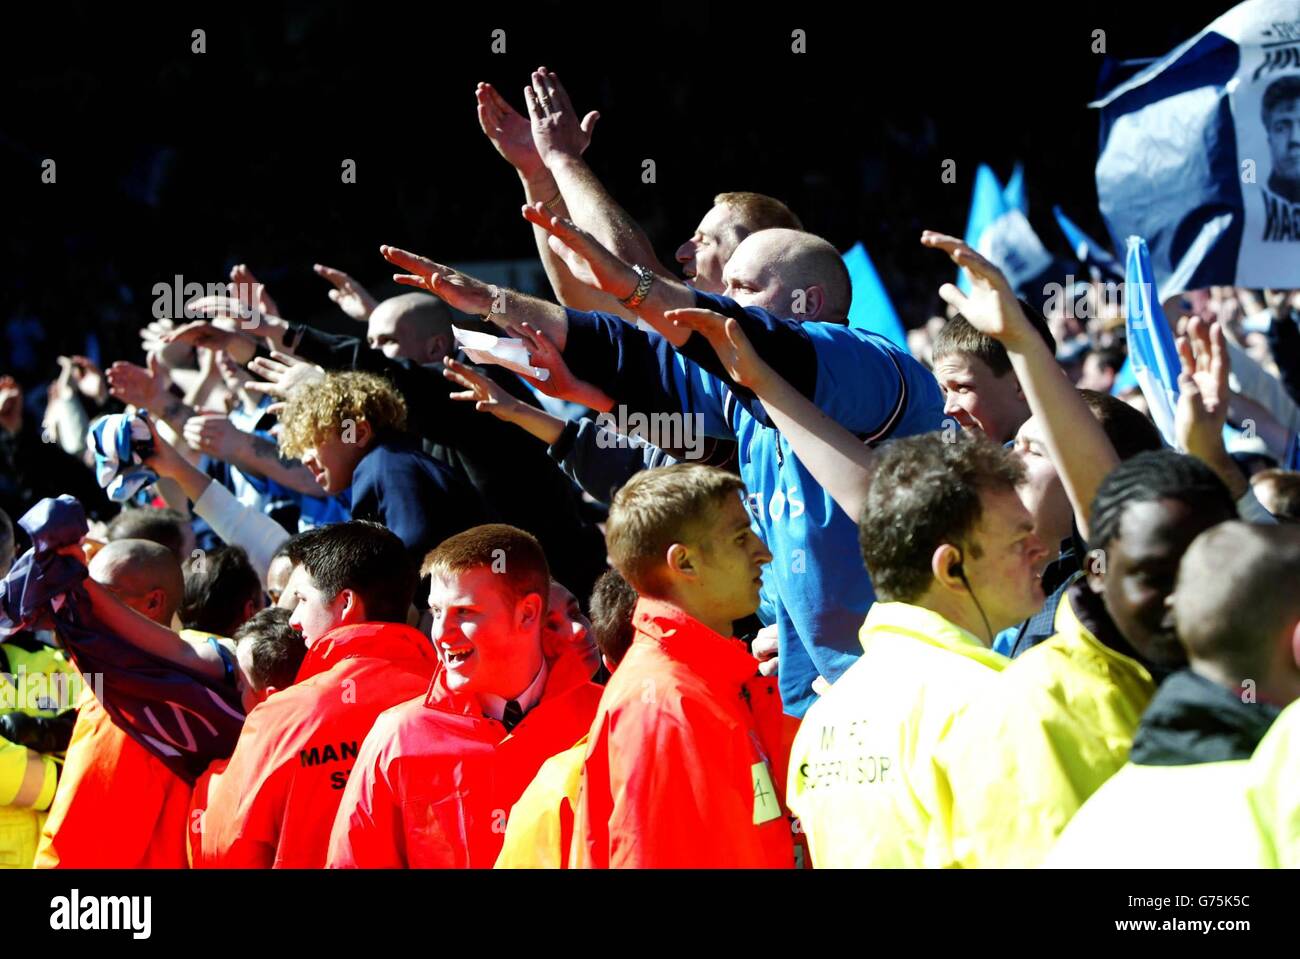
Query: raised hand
pixel 583 254
pixel 144 387
pixel 557 132
pixel 214 434
pixel 250 291
pixel 206 334
pixel 729 341
pixel 1202 388
pixel 85 375
pixel 282 374
pixel 509 132
pixel 348 295
pixel 11 405
pixel 991 306
pixel 457 290
pixel 487 396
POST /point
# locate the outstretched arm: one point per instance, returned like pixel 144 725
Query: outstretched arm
pixel 1077 444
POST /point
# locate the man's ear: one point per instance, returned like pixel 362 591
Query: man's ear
pixel 351 609
pixel 814 303
pixel 364 433
pixel 680 561
pixel 439 347
pixel 945 564
pixel 1295 645
pixel 157 599
pixel 250 607
pixel 528 611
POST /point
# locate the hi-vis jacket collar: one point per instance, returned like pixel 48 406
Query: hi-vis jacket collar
pixel 1069 626
pixel 395 641
pixel 688 641
pixel 916 622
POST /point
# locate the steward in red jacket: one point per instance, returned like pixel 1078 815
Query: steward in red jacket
pixel 686 759
pixel 275 801
pixel 436 777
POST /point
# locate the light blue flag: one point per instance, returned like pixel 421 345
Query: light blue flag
pixel 871 308
pixel 1013 195
pixel 1088 251
pixel 987 203
pixel 998 228
pixel 1151 351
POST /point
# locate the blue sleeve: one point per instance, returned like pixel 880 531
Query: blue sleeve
pixel 642 372
pixel 601 460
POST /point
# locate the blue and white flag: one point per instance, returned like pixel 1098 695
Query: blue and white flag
pixel 1200 154
pixel 117 441
pixel 1088 251
pixel 871 308
pixel 1000 231
pixel 1013 194
pixel 1153 358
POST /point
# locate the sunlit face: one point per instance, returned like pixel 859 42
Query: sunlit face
pixel 489 642
pixel 1283 123
pixel 728 558
pixel 1095 375
pixel 313 613
pixel 1042 491
pixel 567 629
pixel 1140 568
pixel 705 254
pixel 979 400
pixel 1007 577
pixel 333 460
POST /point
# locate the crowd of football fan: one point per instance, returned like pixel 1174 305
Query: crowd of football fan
pixel 279 597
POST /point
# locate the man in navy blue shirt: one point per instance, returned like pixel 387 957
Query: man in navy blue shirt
pixel 349 430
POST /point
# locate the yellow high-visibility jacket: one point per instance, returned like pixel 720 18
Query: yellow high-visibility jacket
pixel 540 828
pixel 38 683
pixel 1056 724
pixel 1273 790
pixel 862 778
pixel 1164 817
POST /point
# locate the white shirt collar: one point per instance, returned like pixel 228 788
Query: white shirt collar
pixel 494 707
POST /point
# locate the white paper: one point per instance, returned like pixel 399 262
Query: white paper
pixel 500 351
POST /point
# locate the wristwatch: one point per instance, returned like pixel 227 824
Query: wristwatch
pixel 638 295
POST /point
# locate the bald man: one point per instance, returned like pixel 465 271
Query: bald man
pixel 413 326
pixel 117 806
pixel 1181 799
pixel 143 574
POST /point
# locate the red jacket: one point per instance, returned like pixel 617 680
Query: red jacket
pixel 436 778
pixel 686 765
pixel 274 802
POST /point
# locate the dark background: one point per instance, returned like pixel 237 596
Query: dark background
pixel 169 162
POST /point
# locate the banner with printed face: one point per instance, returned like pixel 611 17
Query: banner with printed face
pixel 1200 154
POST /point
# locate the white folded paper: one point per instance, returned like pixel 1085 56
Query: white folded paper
pixel 501 350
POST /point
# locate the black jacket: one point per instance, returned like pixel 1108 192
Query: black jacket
pixel 1193 720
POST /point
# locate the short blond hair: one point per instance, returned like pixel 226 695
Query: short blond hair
pixel 759 211
pixel 318 409
pixel 657 508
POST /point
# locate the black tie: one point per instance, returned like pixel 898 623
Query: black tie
pixel 513 713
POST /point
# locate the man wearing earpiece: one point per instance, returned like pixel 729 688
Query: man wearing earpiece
pixel 954 559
